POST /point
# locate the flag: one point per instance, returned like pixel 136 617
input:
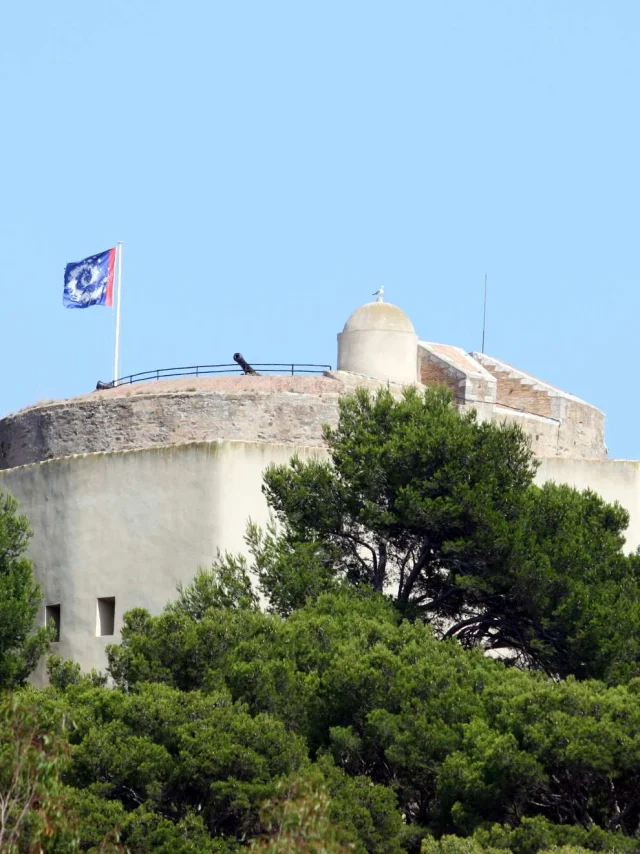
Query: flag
pixel 90 282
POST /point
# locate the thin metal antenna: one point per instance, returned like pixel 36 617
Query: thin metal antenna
pixel 484 311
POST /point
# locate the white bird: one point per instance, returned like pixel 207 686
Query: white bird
pixel 379 293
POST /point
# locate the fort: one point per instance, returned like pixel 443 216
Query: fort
pixel 129 489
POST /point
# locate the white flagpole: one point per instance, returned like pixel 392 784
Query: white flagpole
pixel 118 298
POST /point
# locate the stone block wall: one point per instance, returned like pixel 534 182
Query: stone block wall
pixel 543 432
pixel 515 394
pixel 579 430
pixel 291 411
pixel 472 386
pixel 433 371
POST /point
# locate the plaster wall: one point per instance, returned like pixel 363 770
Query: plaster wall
pixel 581 430
pixel 614 480
pixel 383 354
pixel 542 431
pixel 134 525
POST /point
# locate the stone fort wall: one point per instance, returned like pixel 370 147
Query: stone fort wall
pixel 282 410
pixel 133 525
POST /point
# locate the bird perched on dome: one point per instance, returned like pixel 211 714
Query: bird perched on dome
pixel 379 293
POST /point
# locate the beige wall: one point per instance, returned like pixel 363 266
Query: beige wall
pixel 614 480
pixel 543 432
pixel 384 355
pixel 133 525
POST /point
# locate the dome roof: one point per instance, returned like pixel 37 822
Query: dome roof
pixel 379 315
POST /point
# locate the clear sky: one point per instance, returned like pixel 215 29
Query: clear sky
pixel 270 164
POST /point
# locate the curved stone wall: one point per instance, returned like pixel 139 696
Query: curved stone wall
pixel 132 526
pixel 280 409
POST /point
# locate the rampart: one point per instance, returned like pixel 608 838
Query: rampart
pixel 286 410
pixel 131 526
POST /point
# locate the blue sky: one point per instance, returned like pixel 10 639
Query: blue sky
pixel 269 165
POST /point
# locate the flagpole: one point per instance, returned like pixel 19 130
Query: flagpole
pixel 118 298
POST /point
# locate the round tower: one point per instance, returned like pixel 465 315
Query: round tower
pixel 379 341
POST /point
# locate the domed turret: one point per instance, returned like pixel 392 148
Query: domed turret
pixel 378 340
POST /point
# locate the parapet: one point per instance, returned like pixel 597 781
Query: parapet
pixel 285 410
pixel 520 397
pixel 470 384
pixel 559 424
pixel 281 409
pixel 292 410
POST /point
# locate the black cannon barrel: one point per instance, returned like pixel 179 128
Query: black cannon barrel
pixel 246 367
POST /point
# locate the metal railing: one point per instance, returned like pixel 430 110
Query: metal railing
pixel 290 368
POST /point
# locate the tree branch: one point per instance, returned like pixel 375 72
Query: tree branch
pixel 415 572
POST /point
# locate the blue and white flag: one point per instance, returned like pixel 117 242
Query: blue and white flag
pixel 90 282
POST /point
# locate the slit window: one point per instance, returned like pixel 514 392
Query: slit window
pixel 106 616
pixel 52 620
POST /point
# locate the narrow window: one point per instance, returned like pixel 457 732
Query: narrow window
pixel 106 616
pixel 53 620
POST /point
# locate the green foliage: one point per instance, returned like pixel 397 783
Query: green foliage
pixel 537 834
pixel 440 512
pixel 291 572
pixel 226 585
pixel 456 845
pixel 32 758
pixel 63 673
pixel 145 831
pixel 582 593
pixel 172 752
pixel 297 818
pixel 183 771
pixel 348 719
pixel 20 597
pixel 533 836
pixel 103 825
pixel 457 738
pixel 409 479
pixel 342 726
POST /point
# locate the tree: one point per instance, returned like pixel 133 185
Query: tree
pixel 33 754
pixel 395 719
pixel 226 585
pixel 297 819
pixel 440 512
pixel 532 836
pixel 20 597
pixel 198 771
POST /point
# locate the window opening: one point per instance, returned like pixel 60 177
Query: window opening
pixel 106 616
pixel 53 620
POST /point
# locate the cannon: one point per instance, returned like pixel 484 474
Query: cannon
pixel 100 385
pixel 239 359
